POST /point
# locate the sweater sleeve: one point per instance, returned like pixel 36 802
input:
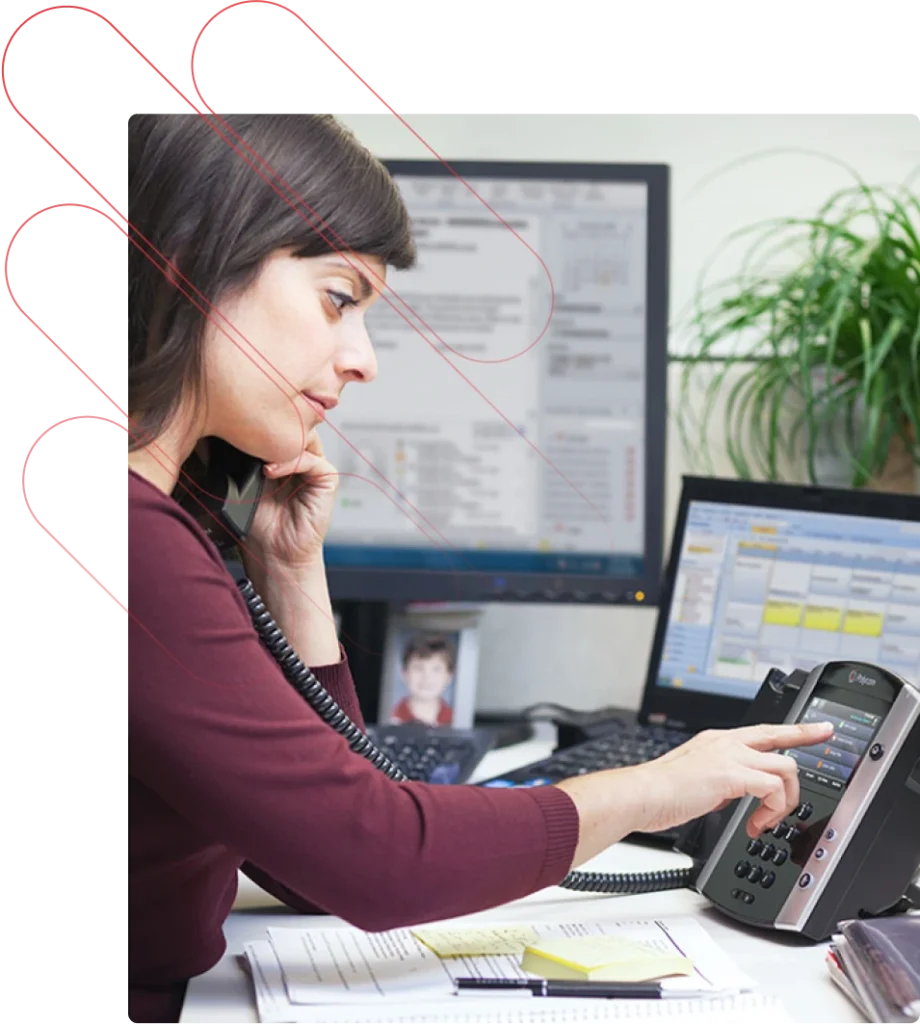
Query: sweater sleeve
pixel 338 683
pixel 220 735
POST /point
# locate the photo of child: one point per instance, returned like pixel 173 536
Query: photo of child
pixel 427 667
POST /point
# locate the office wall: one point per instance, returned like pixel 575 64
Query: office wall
pixel 587 657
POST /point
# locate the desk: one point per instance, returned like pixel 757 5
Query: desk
pixel 782 965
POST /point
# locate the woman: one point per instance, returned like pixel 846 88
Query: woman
pixel 229 768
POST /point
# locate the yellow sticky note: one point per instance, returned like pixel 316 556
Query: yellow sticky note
pixel 602 958
pixel 448 942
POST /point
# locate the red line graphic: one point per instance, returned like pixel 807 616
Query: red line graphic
pixel 177 275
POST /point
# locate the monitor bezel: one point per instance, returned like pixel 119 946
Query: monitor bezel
pixel 404 585
pixel 693 710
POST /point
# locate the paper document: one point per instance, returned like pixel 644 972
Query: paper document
pixel 275 1008
pixel 345 965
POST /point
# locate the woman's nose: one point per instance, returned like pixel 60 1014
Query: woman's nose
pixel 357 359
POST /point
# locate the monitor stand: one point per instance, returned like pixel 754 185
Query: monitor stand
pixel 363 634
pixel 362 629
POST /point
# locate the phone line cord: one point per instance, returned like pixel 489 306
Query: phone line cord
pixel 316 695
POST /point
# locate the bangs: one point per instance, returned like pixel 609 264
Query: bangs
pixel 369 218
pixel 346 201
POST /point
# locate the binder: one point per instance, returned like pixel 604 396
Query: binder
pixel 880 959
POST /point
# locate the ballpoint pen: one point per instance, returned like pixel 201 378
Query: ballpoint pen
pixel 542 987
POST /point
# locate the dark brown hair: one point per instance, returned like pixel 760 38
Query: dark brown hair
pixel 427 646
pixel 212 209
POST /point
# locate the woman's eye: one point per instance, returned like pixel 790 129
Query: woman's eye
pixel 340 300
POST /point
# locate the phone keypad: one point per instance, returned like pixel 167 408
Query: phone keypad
pixel 768 851
pixel 763 871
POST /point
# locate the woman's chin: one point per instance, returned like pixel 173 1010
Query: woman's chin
pixel 283 448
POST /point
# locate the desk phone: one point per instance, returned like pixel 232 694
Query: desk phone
pixel 852 846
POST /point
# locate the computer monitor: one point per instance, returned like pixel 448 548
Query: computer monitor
pixel 781 576
pixel 511 448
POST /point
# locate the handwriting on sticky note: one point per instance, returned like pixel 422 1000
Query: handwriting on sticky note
pixel 449 942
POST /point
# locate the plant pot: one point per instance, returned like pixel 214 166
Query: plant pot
pixel 900 474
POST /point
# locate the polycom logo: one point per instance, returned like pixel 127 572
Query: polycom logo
pixel 858 677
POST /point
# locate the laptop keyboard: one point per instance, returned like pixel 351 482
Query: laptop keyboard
pixel 438 755
pixel 627 746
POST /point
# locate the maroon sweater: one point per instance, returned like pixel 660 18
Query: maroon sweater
pixel 230 768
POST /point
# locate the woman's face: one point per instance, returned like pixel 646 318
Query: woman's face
pixel 304 319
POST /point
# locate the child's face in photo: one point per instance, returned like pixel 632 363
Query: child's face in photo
pixel 427 677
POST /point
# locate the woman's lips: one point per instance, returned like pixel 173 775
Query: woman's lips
pixel 322 403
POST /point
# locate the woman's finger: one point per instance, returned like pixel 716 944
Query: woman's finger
pixel 770 791
pixel 783 766
pixel 778 737
pixel 301 464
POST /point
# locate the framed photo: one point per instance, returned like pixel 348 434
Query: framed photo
pixel 430 673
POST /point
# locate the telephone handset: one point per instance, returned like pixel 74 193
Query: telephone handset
pixel 222 490
pixel 849 849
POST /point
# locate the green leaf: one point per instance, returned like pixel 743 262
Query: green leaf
pixel 826 310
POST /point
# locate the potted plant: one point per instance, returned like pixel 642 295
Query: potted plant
pixel 814 345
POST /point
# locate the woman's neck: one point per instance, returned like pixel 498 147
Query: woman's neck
pixel 160 461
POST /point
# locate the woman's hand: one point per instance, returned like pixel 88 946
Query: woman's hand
pixel 283 554
pixel 702 775
pixel 293 515
pixel 720 765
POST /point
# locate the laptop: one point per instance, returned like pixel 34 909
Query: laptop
pixel 760 576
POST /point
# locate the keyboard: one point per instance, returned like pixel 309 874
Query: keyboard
pixel 632 744
pixel 442 755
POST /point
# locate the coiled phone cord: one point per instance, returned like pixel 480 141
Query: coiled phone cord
pixel 316 695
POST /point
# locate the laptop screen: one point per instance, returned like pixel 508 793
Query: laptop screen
pixel 758 588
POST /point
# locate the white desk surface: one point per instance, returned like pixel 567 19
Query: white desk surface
pixel 782 965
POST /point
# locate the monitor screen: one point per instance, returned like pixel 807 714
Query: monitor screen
pixel 512 444
pixel 758 588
